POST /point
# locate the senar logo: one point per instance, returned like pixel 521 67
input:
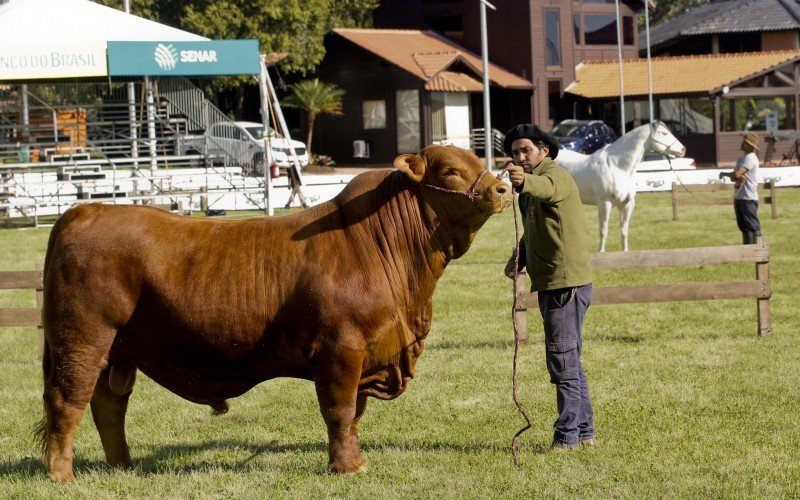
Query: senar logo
pixel 166 56
pixel 193 56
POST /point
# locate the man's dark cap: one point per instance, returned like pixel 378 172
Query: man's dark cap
pixel 532 132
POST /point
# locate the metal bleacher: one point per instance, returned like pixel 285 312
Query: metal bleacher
pixel 87 147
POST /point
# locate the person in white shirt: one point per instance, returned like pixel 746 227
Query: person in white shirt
pixel 745 201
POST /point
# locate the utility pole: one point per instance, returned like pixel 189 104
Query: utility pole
pixel 487 116
pixel 132 111
pixel 649 59
pixel 621 82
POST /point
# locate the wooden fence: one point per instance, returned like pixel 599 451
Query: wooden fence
pixel 687 193
pixel 760 288
pixel 24 316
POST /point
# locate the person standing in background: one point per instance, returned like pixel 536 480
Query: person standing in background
pixel 745 200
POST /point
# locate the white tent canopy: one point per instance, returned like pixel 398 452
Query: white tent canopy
pixel 67 38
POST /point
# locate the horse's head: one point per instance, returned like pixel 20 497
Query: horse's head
pixel 662 141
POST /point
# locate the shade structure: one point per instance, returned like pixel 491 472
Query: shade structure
pixel 42 39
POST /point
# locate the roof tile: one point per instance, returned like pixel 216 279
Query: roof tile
pixel 731 16
pixel 419 52
pixel 675 75
pixel 449 81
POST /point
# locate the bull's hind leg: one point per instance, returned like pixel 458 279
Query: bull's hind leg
pixel 337 385
pixel 109 404
pixel 69 382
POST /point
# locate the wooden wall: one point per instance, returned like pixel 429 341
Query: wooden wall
pixel 364 76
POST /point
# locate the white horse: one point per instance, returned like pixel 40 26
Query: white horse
pixel 605 178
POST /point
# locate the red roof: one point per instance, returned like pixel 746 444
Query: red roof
pixel 427 55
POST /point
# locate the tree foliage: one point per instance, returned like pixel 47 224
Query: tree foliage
pixel 315 98
pixel 296 27
pixel 669 9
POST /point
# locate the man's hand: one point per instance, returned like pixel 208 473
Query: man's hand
pixel 509 270
pixel 516 174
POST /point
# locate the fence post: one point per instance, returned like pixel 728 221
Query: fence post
pixel 521 314
pixel 772 198
pixel 39 300
pixel 764 306
pixel 674 202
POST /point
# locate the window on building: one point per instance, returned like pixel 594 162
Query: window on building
pixel 600 29
pixel 408 135
pixel 687 116
pixel 748 113
pixel 627 30
pixel 637 113
pixel 552 41
pixel 739 42
pixel 373 114
pixel 576 28
pixel 553 98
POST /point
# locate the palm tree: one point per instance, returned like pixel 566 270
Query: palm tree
pixel 316 98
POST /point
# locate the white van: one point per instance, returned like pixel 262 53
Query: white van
pixel 244 142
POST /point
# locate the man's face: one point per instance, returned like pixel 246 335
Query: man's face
pixel 525 153
pixel 746 146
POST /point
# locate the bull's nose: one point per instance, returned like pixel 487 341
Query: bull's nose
pixel 503 190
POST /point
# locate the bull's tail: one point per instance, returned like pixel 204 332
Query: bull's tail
pixel 40 430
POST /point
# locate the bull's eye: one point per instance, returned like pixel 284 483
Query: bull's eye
pixel 450 171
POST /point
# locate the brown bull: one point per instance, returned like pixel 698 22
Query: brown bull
pixel 339 294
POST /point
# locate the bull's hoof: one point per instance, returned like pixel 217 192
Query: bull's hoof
pixel 58 469
pixel 122 464
pixel 62 476
pixel 350 469
pixel 219 407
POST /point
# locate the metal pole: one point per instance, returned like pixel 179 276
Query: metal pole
pixel 488 145
pixel 621 83
pixel 26 120
pixel 132 111
pixel 264 93
pixel 649 60
pixel 151 124
pixel 294 161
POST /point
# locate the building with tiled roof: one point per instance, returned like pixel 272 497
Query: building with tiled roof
pixel 405 89
pixel 707 100
pixel 540 41
pixel 728 26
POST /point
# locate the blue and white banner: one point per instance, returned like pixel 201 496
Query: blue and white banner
pixel 218 57
pixel 69 60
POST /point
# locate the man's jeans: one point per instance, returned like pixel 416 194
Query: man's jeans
pixel 563 311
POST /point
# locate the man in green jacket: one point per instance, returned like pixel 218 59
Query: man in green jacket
pixel 555 249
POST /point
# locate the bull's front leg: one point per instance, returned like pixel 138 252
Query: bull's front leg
pixel 336 381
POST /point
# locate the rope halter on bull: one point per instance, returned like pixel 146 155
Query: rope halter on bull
pixel 472 194
pixel 514 371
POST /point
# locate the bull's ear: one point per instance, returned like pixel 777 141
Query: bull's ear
pixel 413 166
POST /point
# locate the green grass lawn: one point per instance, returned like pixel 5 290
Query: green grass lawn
pixel 689 401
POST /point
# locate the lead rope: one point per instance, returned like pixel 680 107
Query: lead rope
pixel 515 389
